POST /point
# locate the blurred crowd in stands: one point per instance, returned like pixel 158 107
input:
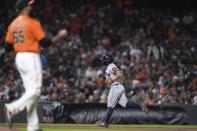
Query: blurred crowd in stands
pixel 154 48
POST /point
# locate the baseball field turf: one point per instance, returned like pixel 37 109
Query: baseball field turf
pixel 93 127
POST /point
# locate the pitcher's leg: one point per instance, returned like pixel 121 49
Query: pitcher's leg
pixel 32 116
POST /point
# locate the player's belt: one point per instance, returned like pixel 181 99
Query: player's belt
pixel 115 84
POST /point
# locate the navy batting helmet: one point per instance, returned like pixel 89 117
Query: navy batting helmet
pixel 106 59
pixel 21 4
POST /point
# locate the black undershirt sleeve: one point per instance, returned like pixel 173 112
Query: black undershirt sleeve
pixel 8 47
pixel 46 42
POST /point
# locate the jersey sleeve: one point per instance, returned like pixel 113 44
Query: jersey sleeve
pixel 9 37
pixel 38 31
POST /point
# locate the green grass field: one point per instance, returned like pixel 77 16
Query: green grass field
pixel 93 127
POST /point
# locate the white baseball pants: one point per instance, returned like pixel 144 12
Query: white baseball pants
pixel 30 69
pixel 117 95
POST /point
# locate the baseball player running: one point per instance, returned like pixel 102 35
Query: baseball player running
pixel 26 35
pixel 117 90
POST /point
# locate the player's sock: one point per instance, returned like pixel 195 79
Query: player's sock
pixel 108 115
pixel 133 105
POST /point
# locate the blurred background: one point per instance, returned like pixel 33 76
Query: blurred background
pixel 153 42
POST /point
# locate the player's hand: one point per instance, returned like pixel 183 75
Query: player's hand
pixel 109 81
pixel 62 33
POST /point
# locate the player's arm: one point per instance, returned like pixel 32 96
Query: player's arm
pixel 8 47
pixel 61 34
pixel 8 41
pixel 45 42
pixel 116 74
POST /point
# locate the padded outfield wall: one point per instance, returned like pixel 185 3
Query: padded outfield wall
pixel 54 112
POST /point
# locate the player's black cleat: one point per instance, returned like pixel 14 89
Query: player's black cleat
pixel 102 124
pixel 8 116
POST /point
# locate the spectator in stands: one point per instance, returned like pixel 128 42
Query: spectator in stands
pixel 147 44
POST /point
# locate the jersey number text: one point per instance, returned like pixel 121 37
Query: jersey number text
pixel 18 36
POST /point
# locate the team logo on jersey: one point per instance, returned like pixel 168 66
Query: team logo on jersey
pixel 114 69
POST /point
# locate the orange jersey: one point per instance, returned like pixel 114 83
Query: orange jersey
pixel 25 33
